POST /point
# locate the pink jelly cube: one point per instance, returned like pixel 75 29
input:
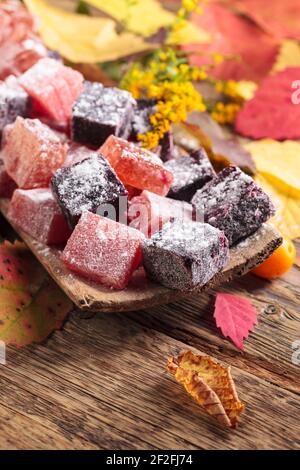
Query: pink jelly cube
pixel 7 185
pixel 32 153
pixel 76 154
pixel 37 213
pixel 149 212
pixel 103 250
pixel 53 88
pixel 137 167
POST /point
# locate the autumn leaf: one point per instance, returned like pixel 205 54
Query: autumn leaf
pixel 235 316
pixel 288 56
pixel 210 384
pixel 281 19
pixel 146 17
pixel 223 150
pixel 249 52
pixel 279 162
pixel 272 112
pixel 287 217
pixel 82 38
pixel 32 305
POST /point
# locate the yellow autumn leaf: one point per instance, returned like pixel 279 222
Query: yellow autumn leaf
pixel 288 56
pixel 146 17
pixel 279 162
pixel 81 38
pixel 287 218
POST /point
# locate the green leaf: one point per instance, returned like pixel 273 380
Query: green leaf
pixel 31 305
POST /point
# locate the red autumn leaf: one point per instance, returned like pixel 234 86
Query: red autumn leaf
pixel 254 51
pixel 273 112
pixel 31 305
pixel 235 316
pixel 280 19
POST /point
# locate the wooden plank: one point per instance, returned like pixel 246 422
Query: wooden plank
pixel 103 381
pixel 268 352
pixel 142 293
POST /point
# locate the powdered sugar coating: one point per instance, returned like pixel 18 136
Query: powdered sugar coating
pixel 36 212
pixel 53 88
pixel 76 154
pixel 140 119
pixel 190 173
pixel 32 153
pixel 100 112
pixel 185 255
pixel 85 186
pixel 103 250
pixel 14 101
pixel 234 203
pixel 137 167
pixel 149 212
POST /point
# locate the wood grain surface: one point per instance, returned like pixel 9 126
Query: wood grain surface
pixel 101 383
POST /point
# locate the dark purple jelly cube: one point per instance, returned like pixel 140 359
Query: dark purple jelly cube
pixel 100 112
pixel 190 174
pixel 185 255
pixel 14 102
pixel 234 203
pixel 140 118
pixel 167 147
pixel 90 185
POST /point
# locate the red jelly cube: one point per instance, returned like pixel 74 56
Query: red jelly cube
pixel 32 153
pixel 7 185
pixel 149 212
pixel 37 213
pixel 53 88
pixel 132 192
pixel 103 250
pixel 137 167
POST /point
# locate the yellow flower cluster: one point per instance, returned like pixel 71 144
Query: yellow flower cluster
pixel 175 100
pixel 225 113
pixel 168 80
pixel 187 7
pixel 229 88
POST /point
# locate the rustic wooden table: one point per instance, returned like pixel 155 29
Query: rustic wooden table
pixel 101 383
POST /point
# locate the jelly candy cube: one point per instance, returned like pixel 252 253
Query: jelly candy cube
pixel 53 88
pixel 90 185
pixel 100 112
pixel 190 174
pixel 234 203
pixel 37 213
pixel 103 250
pixel 185 255
pixel 14 102
pixel 7 185
pixel 32 153
pixel 149 212
pixel 137 167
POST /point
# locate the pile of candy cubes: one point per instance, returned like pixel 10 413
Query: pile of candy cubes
pixel 77 178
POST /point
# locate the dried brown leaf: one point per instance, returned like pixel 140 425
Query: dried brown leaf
pixel 210 384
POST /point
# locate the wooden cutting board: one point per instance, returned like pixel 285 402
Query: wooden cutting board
pixel 142 293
